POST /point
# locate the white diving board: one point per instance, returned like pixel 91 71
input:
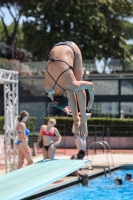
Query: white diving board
pixel 26 181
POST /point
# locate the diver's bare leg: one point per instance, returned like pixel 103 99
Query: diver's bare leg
pixel 73 105
pixel 81 97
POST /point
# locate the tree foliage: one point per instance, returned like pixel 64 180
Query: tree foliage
pixel 127 29
pixel 95 26
pixel 19 38
pixel 7 51
pixel 10 32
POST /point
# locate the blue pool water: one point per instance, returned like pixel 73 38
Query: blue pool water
pixel 100 188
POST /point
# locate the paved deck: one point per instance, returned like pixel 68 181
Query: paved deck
pixel 99 159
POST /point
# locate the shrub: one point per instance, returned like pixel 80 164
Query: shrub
pixel 118 127
pixel 31 123
pixel 1 125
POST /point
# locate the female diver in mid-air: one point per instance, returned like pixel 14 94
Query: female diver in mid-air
pixel 63 83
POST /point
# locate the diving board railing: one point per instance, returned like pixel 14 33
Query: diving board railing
pixel 26 181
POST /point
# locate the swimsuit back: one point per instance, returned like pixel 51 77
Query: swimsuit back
pixel 68 43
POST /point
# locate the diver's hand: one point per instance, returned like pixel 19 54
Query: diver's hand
pixel 90 104
pixel 76 128
pixel 67 110
pixel 91 101
pixel 50 94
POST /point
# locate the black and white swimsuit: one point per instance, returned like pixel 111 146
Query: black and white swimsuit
pixel 68 43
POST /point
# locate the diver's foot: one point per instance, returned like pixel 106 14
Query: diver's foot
pixel 88 115
pixel 83 130
pixel 76 128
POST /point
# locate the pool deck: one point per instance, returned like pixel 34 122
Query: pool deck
pixel 99 162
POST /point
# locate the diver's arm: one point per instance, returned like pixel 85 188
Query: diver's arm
pixel 78 85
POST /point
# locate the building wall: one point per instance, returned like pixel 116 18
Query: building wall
pixel 115 142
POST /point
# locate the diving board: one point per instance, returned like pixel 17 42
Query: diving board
pixel 26 181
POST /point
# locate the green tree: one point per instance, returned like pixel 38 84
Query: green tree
pixel 10 32
pixel 18 41
pixel 127 29
pixel 96 26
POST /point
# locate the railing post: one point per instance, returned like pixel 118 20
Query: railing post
pixel 34 149
pixel 95 136
pixel 64 138
pixel 108 135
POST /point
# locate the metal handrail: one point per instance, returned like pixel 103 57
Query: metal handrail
pixel 104 144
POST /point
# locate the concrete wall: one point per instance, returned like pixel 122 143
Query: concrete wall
pixel 115 142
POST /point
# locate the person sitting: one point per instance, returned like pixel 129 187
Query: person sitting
pixel 118 181
pixel 84 176
pixel 128 177
pixel 47 132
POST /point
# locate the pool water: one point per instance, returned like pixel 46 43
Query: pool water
pixel 100 188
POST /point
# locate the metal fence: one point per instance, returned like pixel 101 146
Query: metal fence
pixel 89 66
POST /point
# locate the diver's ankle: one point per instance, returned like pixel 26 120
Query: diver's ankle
pixel 76 120
pixel 83 123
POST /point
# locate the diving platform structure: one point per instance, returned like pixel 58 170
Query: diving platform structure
pixel 28 180
pixel 10 81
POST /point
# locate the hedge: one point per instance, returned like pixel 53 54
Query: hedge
pixel 1 125
pixel 117 126
pixel 30 124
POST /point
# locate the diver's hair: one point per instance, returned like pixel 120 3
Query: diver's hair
pixel 129 175
pixel 52 120
pixel 22 115
pixel 119 180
